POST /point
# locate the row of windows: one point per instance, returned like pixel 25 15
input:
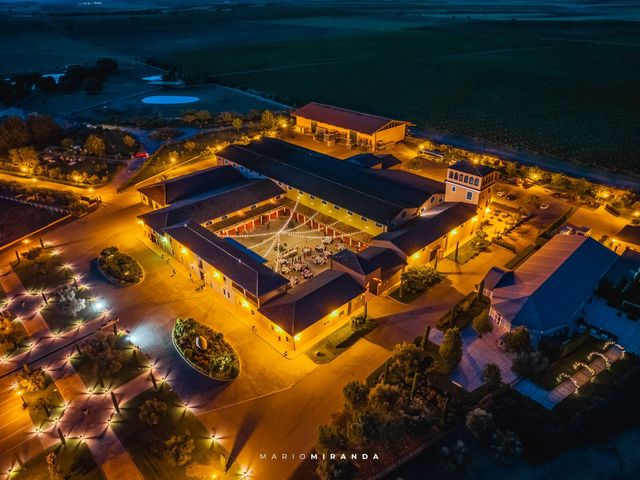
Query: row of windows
pixel 464 179
pixel 469 192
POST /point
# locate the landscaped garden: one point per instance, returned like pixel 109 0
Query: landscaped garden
pixel 464 312
pixel 40 395
pixel 414 282
pixel 109 361
pixel 65 200
pixel 205 349
pixel 68 307
pixel 119 267
pixel 12 335
pixel 70 461
pixel 42 269
pixel 19 219
pixel 340 340
pixel 469 250
pixel 167 442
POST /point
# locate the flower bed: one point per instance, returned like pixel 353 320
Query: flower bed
pixel 205 350
pixel 119 267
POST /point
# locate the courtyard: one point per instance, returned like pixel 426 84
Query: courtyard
pixel 291 248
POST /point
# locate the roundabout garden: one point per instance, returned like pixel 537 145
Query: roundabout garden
pixel 205 350
pixel 119 267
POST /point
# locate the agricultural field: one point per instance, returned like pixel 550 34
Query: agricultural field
pixel 568 94
pixel 12 219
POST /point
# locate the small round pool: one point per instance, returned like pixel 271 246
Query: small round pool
pixel 169 100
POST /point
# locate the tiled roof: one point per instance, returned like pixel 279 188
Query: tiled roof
pixel 379 195
pixel 354 262
pixel 180 188
pixel 387 259
pixel 234 263
pixel 471 168
pixel 343 118
pixel 311 301
pixel 213 204
pixel 547 290
pixel 421 231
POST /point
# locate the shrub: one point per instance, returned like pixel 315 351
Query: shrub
pixel 491 375
pixel 451 347
pixel 120 266
pixel 178 449
pixel 517 340
pixel 151 410
pixel 218 360
pixel 417 279
pixel 480 423
pixel 32 380
pixel 356 395
pixel 481 323
pixel 529 363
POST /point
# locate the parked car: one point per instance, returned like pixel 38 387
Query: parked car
pixel 500 193
pixel 543 206
pixel 511 197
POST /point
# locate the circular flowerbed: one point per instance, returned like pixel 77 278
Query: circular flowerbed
pixel 119 267
pixel 205 349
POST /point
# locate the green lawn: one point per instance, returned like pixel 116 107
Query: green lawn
pixel 145 444
pixel 469 250
pixel 74 459
pixel 6 349
pixel 132 366
pixel 52 398
pixel 547 379
pixel 61 320
pixel 338 342
pixel 43 273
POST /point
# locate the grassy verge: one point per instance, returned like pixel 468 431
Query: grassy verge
pixel 74 460
pixel 339 341
pixel 133 361
pixel 145 444
pixel 406 297
pixel 548 379
pixel 469 250
pixel 463 312
pixel 42 273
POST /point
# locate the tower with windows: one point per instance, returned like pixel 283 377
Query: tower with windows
pixel 470 183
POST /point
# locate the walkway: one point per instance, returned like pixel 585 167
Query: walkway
pixel 549 399
pixel 86 416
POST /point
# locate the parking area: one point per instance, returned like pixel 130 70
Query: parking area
pixel 291 248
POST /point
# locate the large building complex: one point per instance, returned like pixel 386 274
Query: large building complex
pixel 355 129
pixel 297 238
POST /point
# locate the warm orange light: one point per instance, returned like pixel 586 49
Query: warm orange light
pixel 297 337
pixel 474 219
pixel 216 275
pixel 245 304
pixel 487 210
pixel 415 256
pixel 334 313
pixel 454 231
pixel 183 251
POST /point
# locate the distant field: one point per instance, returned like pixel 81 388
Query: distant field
pixel 565 90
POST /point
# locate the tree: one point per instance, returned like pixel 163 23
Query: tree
pixel 482 323
pixel 189 145
pixel 385 398
pixel 517 340
pixel 451 347
pixel 129 141
pixel 528 364
pixel 92 85
pixel 331 439
pixel 25 158
pixel 415 163
pixel 44 130
pixel 237 123
pixel 178 449
pixel 491 375
pixel 108 65
pixel 151 410
pixel 368 427
pixel 505 446
pixel 407 359
pixel 95 145
pixel 103 355
pixel 69 299
pixel 480 423
pixel 267 119
pixel 356 395
pixel 32 380
pixel 202 115
pixel 336 469
pixel 14 133
pixel 419 278
pixel 67 143
pixel 46 84
pixel 8 332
